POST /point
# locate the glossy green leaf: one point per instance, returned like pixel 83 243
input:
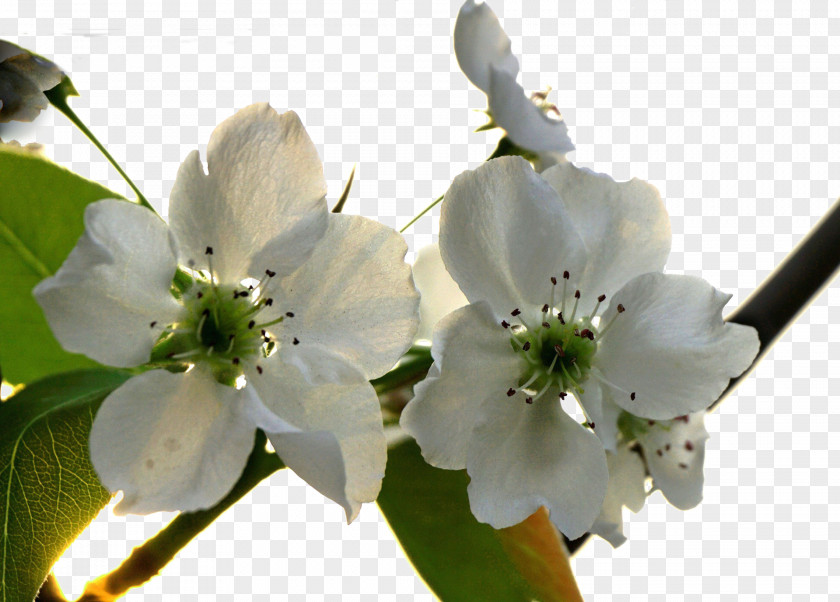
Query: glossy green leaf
pixel 458 557
pixel 41 219
pixel 48 489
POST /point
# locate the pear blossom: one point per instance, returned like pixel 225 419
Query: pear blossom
pixel 23 79
pixel 439 294
pixel 483 51
pixel 672 452
pixel 563 272
pixel 255 309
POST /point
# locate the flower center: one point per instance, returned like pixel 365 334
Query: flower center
pixel 558 348
pixel 221 325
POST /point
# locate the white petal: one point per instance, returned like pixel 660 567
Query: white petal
pixel 626 487
pixel 439 293
pixel 481 42
pixel 505 233
pixel 600 408
pixel 675 453
pixel 262 198
pixel 110 299
pixel 671 347
pixel 525 456
pixel 171 441
pixel 624 225
pixel 525 123
pixel 476 362
pixel 354 297
pixel 330 435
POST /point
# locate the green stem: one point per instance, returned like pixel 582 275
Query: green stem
pixel 148 559
pixel 421 214
pixel 59 101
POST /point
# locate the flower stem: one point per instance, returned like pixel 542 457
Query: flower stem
pixel 790 288
pixel 148 559
pixel 421 214
pixel 59 101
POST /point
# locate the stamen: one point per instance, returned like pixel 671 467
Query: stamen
pixel 565 280
pixel 180 356
pixel 560 317
pixel 235 361
pixel 530 381
pixel 689 446
pixel 511 392
pixel 619 309
pixel 232 339
pixel 259 370
pixel 601 299
pixel 290 314
pixel 563 394
pixel 203 319
pixel 545 308
pixel 553 287
pixel 559 351
pixel 153 324
pixel 295 341
pixel 529 400
pixel 515 312
pixel 574 309
pixel 546 325
pixel 526 346
pixel 633 396
pixel 505 324
pixel 267 324
pixel 251 324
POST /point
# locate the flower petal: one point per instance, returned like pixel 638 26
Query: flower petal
pixel 671 347
pixel 626 487
pixel 110 299
pixel 624 225
pixel 675 457
pixel 600 408
pixel 171 441
pixel 354 297
pixel 481 42
pixel 525 456
pixel 330 435
pixel 505 233
pixel 475 362
pixel 439 293
pixel 262 198
pixel 525 123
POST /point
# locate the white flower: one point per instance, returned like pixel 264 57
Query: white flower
pixel 297 306
pixel 538 257
pixel 23 79
pixel 483 52
pixel 673 451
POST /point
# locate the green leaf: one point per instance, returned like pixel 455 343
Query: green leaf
pixel 41 219
pixel 458 557
pixel 48 489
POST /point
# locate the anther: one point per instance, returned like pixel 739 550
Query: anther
pixel 577 294
pixel 208 251
pixel 563 396
pixel 689 446
pixel 262 332
pixel 235 361
pixel 566 274
pixel 270 273
pixel 545 308
pixel 651 422
pixel 251 324
pixel 199 295
pixel 511 392
pixel 553 280
pixel 529 400
pixel 505 324
pixel 152 325
pixel 526 346
pixel 516 312
pixel 620 308
pixel 269 302
pixel 295 341
pixel 559 351
pixel 560 317
pixel 683 418
pixel 633 396
pixel 259 370
pixel 659 452
pixel 206 312
pixel 587 334
pixel 546 325
pixel 290 314
pixel 667 447
pixel 591 425
pixel 683 465
pixel 602 298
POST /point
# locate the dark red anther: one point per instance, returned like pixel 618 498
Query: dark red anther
pixel 602 298
pixel 587 334
pixel 153 324
pixel 511 392
pixel 515 312
pixel 270 274
pixel 576 332
pixel 545 308
pixel 251 324
pixel 683 418
pixel 563 394
pixel 199 295
pixel 262 332
pixel 208 251
pixel 553 280
pixel 526 346
pixel 659 452
pixel 546 325
pixel 290 314
pixel 560 317
pixel 689 446
pixel 566 274
pixel 269 302
pixel 206 312
pixel 529 400
pixel 620 308
pixel 683 465
pixel 505 324
pixel 259 370
pixel 295 341
pixel 235 361
pixel 651 422
pixel 591 425
pixel 667 447
pixel 577 294
pixel 573 360
pixel 633 396
pixel 559 351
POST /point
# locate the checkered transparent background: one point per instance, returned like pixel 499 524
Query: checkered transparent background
pixel 731 109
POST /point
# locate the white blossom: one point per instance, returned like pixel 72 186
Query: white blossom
pixel 295 306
